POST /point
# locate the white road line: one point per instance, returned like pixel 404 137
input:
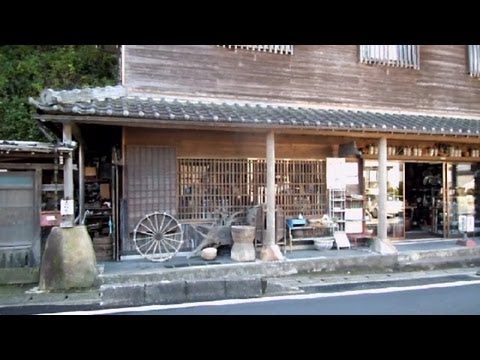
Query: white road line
pixel 266 299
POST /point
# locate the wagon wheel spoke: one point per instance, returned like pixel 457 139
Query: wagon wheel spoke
pixel 171 243
pixel 165 243
pixel 150 231
pixel 167 237
pixel 146 244
pixel 158 237
pixel 141 240
pixel 155 229
pixel 148 234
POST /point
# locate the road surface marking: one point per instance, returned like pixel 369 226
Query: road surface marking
pixel 266 299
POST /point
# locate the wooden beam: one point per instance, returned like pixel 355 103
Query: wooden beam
pixel 18 166
pixel 263 128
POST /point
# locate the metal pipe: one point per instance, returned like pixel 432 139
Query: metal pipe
pixel 81 182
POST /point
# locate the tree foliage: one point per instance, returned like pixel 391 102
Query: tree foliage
pixel 25 70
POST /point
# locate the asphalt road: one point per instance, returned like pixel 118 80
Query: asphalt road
pixel 451 297
pixel 458 300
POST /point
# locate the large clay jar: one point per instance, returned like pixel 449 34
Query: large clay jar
pixel 243 248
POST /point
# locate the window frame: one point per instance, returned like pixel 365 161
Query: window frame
pixel 405 56
pixel 474 60
pixel 276 49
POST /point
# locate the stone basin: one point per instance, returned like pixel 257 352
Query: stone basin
pixel 243 248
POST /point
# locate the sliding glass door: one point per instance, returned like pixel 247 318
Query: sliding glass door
pixel 462 192
pixel 395 198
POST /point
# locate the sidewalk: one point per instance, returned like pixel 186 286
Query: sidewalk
pixel 141 282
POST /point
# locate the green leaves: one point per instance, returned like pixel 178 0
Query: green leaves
pixel 25 70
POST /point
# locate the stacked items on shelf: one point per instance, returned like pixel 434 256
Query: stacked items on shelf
pixel 98 213
pixel 308 231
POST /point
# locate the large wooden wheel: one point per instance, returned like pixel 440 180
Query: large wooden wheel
pixel 158 237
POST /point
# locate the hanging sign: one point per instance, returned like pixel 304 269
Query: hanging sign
pixel 66 207
pixel 335 173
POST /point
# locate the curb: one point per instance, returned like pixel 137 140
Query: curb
pixel 367 262
pixel 35 298
pixel 235 281
pixel 175 292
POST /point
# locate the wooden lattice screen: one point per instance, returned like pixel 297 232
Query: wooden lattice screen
pixel 151 181
pixel 210 186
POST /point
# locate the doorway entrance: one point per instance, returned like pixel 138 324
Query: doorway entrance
pixel 423 200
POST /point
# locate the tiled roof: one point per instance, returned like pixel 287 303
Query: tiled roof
pixel 275 116
pixel 13 146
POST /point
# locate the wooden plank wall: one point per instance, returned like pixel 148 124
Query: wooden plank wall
pixel 315 74
pixel 223 144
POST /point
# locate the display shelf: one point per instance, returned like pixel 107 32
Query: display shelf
pixel 336 207
pixel 300 232
pixel 354 214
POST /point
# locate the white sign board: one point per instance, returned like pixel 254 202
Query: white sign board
pixel 353 227
pixel 341 239
pixel 66 207
pixel 354 214
pixel 351 173
pixel 466 223
pixel 335 173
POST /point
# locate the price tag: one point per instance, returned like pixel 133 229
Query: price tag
pixel 66 207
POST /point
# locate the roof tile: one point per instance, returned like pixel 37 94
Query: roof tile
pixel 161 109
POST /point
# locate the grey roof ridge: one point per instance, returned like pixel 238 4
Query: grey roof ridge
pixel 28 146
pixel 303 106
pixel 87 94
pixel 51 99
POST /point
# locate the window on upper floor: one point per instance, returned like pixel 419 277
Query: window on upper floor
pixel 391 55
pixel 474 60
pixel 277 49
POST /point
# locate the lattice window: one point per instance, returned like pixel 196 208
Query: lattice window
pixel 277 49
pixel 151 182
pixel 391 55
pixel 210 186
pixel 474 60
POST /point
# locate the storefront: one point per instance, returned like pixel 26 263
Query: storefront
pixel 197 160
pixel 432 195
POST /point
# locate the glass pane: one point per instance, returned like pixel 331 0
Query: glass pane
pixel 463 197
pixel 395 207
pixel 16 179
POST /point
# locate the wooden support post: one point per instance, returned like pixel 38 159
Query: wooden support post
pixel 270 250
pixel 381 244
pixel 382 189
pixel 77 134
pixel 68 220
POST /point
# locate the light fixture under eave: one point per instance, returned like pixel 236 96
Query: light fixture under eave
pixel 349 149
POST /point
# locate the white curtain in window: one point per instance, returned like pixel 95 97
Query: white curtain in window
pixel 277 49
pixel 392 55
pixel 474 60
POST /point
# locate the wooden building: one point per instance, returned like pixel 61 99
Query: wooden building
pixel 187 131
pixel 31 185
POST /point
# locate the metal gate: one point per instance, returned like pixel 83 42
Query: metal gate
pixel 19 220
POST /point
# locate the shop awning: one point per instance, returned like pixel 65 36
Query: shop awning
pixel 211 113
